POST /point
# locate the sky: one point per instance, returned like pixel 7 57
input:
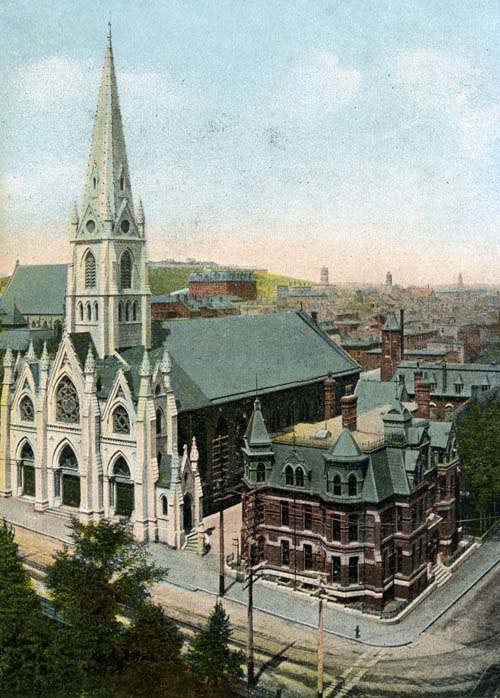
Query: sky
pixel 286 134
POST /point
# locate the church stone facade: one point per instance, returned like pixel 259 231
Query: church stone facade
pixel 90 432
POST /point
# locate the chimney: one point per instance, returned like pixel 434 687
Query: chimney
pixel 349 412
pixel 423 398
pixel 402 325
pixel 330 385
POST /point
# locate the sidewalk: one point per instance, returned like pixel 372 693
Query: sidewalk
pixel 200 575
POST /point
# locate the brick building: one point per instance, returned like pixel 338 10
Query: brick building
pixel 223 283
pixel 364 502
pixel 183 306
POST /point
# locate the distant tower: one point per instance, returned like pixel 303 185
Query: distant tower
pixel 324 279
pixel 388 279
pixel 391 347
pixel 460 282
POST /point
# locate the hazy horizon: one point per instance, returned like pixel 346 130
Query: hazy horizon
pixel 284 135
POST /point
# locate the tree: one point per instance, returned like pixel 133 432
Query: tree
pixel 213 664
pixel 478 443
pixel 25 636
pixel 105 575
pixel 153 662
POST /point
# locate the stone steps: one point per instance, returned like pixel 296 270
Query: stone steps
pixel 441 574
pixel 191 542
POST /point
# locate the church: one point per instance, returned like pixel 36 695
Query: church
pixel 91 431
pixel 114 424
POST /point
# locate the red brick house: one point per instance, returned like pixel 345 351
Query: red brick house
pixel 365 503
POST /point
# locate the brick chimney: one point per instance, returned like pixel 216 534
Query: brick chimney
pixel 422 395
pixel 423 399
pixel 330 385
pixel 349 405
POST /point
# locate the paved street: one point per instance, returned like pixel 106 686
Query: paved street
pixel 194 574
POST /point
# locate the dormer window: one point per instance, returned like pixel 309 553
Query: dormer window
pixel 352 486
pixel 261 472
pixel 299 477
pixel 289 475
pixel 459 388
pixel 337 486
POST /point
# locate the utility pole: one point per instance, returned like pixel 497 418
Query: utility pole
pixel 320 643
pixel 250 651
pixel 222 585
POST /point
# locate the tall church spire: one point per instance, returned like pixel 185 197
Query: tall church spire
pixel 108 290
pixel 107 184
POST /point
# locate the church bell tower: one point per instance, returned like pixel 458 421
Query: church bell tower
pixel 108 291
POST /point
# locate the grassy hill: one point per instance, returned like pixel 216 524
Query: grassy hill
pixel 163 281
pixel 3 283
pixel 267 283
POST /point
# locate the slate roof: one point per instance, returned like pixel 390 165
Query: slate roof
pixel 280 350
pixel 446 375
pixel 391 323
pixel 37 289
pixel 374 393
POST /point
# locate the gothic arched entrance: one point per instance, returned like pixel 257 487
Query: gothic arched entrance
pixel 123 489
pixel 188 513
pixel 27 471
pixel 69 479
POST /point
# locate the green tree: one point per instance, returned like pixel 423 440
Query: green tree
pixel 213 664
pixel 106 574
pixel 153 663
pixel 26 637
pixel 478 443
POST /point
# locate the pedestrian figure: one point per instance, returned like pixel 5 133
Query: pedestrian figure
pixel 356 631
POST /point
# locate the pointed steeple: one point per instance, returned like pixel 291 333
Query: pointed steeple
pixel 30 354
pixel 89 361
pixel 107 182
pixel 139 217
pixel 145 369
pixel 44 359
pixel 256 434
pixel 73 214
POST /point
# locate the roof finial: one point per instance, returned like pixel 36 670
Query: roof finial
pixel 109 29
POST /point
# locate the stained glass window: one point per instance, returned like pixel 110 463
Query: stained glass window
pixel 67 405
pixel 27 410
pixel 121 421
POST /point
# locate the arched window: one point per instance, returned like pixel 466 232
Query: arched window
pixel 121 420
pixel 67 459
pixel 120 311
pixel 299 477
pixel 67 405
pixel 90 271
pixel 89 312
pixel 261 472
pixel 127 311
pixel 126 270
pixel 27 409
pixel 164 506
pixel 121 467
pixel 352 486
pixel 27 471
pixel 289 479
pixel 337 486
pixel 122 183
pixel 96 311
pixel 134 310
pixel 80 311
pixel 123 488
pixel 27 453
pixel 159 422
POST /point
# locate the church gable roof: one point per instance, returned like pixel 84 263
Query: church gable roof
pixel 281 350
pixel 37 289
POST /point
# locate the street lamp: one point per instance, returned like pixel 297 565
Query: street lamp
pixel 322 580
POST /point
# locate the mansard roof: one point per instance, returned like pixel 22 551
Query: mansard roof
pixel 444 377
pixel 36 289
